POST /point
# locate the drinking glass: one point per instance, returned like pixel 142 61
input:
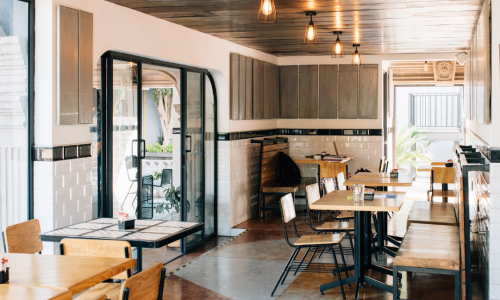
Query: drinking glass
pixel 356 191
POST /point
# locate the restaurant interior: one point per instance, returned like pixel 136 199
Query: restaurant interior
pixel 259 149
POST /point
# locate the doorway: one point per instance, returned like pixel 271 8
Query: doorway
pixel 155 138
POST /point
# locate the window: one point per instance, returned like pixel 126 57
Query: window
pixel 436 111
pixel 16 111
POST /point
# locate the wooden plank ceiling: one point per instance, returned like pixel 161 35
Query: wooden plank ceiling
pixel 380 26
pixel 439 73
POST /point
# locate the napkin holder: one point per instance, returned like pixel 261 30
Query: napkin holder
pixel 369 197
pixel 449 165
pixel 127 224
pixel 394 175
pixel 4 276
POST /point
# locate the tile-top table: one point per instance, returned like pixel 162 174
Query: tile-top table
pixel 338 200
pixel 146 234
pixel 12 292
pixel 379 181
pixel 64 273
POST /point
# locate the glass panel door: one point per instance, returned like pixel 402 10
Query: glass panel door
pixel 210 148
pixel 193 148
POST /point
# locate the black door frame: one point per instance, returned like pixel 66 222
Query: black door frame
pixel 105 207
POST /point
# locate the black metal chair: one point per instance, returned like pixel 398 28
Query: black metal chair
pixel 166 178
pixel 287 209
pixel 147 198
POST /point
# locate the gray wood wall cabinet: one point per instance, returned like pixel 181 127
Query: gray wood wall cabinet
pixel 289 93
pixel 249 88
pixel 242 84
pixel 258 89
pixel 308 92
pixel 276 111
pixel 348 92
pixel 368 96
pixel 268 91
pixel 328 81
pixel 75 70
pixel 234 85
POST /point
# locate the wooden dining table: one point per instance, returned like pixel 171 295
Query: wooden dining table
pixel 339 200
pixel 63 273
pixel 327 169
pixel 14 292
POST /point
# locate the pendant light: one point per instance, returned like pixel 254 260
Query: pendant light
pixel 311 37
pixel 356 58
pixel 338 47
pixel 267 12
pixel 426 67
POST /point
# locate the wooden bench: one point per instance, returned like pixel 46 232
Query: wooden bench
pixel 436 213
pixel 429 248
pixel 271 187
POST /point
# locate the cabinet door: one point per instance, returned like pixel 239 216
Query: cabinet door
pixel 268 91
pixel 348 92
pixel 248 88
pixel 328 81
pixel 289 94
pixel 242 89
pixel 308 92
pixel 276 111
pixel 258 89
pixel 234 85
pixel 368 92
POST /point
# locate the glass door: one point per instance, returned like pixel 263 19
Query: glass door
pixel 192 151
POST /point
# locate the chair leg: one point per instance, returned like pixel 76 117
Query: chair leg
pixel 263 206
pixel 395 283
pixel 301 261
pixel 374 249
pixel 343 262
pixel 321 252
pixel 375 222
pixel 338 272
pixel 312 257
pixel 350 241
pixel 291 264
pixel 126 195
pixel 286 267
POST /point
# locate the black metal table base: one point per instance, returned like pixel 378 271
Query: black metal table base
pixel 362 253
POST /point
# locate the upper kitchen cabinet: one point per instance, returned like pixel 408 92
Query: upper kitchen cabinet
pixel 368 92
pixel 258 89
pixel 328 88
pixel 289 92
pixel 308 92
pixel 348 92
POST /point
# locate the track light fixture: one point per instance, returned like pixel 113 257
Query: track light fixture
pixel 356 58
pixel 311 37
pixel 267 12
pixel 338 47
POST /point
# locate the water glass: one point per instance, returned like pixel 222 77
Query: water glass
pixel 356 192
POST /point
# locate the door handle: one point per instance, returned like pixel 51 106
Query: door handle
pixel 188 149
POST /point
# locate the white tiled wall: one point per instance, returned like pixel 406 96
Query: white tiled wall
pixel 224 188
pixel 494 234
pixel 62 194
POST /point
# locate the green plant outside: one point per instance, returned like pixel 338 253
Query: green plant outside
pixel 156 147
pixel 407 137
pixel 154 94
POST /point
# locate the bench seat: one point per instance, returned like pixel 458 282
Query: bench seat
pixel 396 227
pixel 286 187
pixel 436 213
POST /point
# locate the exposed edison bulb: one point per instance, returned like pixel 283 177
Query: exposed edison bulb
pixel 426 67
pixel 356 58
pixel 337 48
pixel 267 8
pixel 310 33
pixel 130 64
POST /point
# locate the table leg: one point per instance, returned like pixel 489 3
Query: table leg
pixel 138 260
pixel 445 188
pixel 380 229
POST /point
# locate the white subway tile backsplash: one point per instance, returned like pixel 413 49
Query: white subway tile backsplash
pixel 355 152
pixel 70 180
pixel 297 144
pixel 62 167
pixel 77 165
pixel 62 195
pixel 375 145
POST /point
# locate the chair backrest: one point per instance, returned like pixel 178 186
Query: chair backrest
pixel 23 237
pixel 287 208
pixel 145 285
pixel 329 185
pixel 166 177
pixel 381 165
pixel 313 195
pixel 386 168
pixel 437 163
pixel 101 248
pixel 443 175
pixel 340 181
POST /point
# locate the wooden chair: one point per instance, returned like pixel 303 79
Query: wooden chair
pixel 23 238
pixel 99 248
pixel 381 164
pixel 443 176
pixel 288 215
pixel 340 182
pixel 313 195
pixel 437 163
pixel 386 167
pixel 145 285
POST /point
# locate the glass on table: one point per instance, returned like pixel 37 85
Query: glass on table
pixel 356 192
